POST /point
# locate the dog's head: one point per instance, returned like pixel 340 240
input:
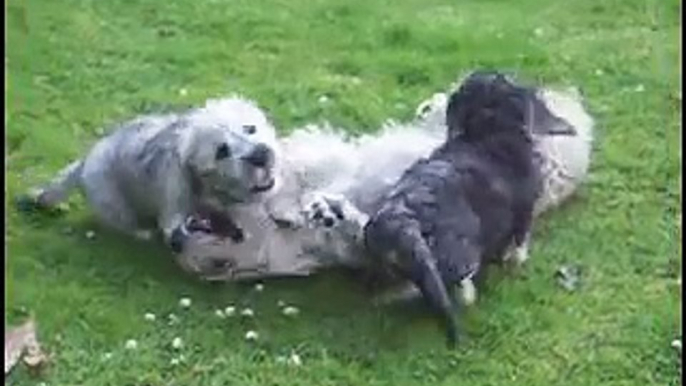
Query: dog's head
pixel 231 151
pixel 489 103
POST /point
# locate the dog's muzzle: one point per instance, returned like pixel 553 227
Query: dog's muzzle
pixel 260 157
pixel 264 187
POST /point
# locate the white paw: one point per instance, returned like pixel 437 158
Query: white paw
pixel 325 210
pixel 521 254
pixel 467 292
pixel 518 254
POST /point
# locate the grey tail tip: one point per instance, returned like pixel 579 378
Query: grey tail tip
pixel 26 203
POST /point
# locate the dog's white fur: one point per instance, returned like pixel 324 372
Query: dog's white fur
pixel 320 165
pixel 146 173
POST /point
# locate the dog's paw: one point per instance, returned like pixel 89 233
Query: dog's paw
pixel 327 210
pixel 34 203
pixel 467 292
pixel 517 255
pixel 521 254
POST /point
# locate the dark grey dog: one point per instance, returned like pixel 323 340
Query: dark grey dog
pixel 470 200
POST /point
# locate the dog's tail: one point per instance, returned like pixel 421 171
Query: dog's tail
pixel 426 276
pixel 56 191
pixel 399 234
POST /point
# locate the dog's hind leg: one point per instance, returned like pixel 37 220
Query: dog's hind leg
pixel 111 206
pixel 56 191
pixel 112 209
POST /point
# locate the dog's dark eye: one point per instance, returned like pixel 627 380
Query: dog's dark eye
pixel 249 129
pixel 223 152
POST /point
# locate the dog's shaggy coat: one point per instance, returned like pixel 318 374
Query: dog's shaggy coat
pixel 470 199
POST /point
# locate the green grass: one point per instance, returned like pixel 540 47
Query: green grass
pixel 73 66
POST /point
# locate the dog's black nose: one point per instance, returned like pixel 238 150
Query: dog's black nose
pixel 259 156
pixel 328 222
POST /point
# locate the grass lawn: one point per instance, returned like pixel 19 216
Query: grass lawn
pixel 74 66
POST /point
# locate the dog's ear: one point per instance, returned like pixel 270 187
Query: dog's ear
pixel 542 122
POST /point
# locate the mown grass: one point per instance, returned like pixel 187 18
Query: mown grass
pixel 75 66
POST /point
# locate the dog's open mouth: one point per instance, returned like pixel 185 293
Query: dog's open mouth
pixel 263 187
pixel 216 224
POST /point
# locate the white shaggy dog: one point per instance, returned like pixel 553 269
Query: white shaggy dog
pixel 330 184
pixel 156 170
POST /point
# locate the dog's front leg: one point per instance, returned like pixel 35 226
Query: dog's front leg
pixel 521 235
pixel 175 209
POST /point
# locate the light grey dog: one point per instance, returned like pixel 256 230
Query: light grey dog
pixel 155 171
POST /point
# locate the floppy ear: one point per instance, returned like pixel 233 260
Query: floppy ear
pixel 542 122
